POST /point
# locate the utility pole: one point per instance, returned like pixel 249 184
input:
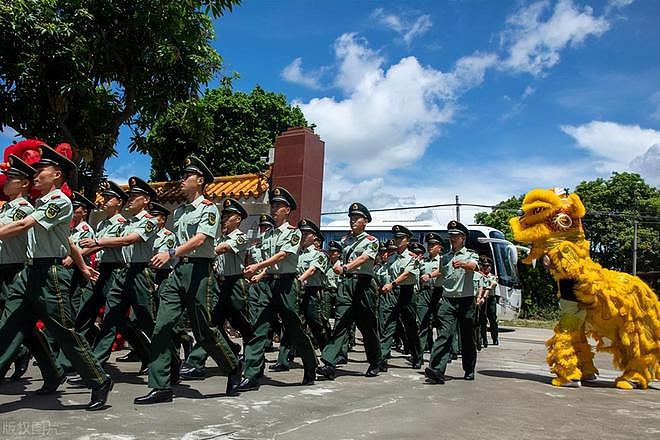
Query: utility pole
pixel 458 210
pixel 634 269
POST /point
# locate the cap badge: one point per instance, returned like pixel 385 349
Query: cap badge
pixel 276 192
pixel 355 206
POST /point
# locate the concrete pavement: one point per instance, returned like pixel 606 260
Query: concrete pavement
pixel 510 398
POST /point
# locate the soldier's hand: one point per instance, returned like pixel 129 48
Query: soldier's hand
pixel 160 259
pixel 67 261
pixel 426 277
pixel 387 288
pixel 250 270
pixel 338 269
pixel 87 242
pixel 89 273
pixel 456 264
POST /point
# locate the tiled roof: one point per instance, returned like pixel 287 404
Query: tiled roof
pixel 242 185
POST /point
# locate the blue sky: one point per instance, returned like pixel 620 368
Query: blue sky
pixel 420 101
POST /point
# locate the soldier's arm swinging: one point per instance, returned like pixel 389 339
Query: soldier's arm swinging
pixel 223 249
pixel 253 268
pixel 110 242
pixel 195 241
pixel 86 270
pixel 15 228
pixel 307 274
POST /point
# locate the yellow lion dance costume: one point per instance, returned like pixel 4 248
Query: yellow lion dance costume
pixel 617 309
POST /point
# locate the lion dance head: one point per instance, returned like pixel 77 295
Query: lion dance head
pixel 548 214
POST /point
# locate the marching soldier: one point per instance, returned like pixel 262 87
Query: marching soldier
pixel 80 229
pixel 38 290
pixel 13 250
pixel 258 291
pixel 165 240
pixel 133 284
pixel 359 250
pixel 430 290
pixel 111 261
pixel 404 273
pixel 189 287
pixel 458 269
pixel 281 245
pixel 331 279
pixel 486 303
pixel 312 264
pixel 233 306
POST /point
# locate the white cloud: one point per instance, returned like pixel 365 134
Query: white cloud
pixel 615 145
pixel 390 115
pixel 534 44
pixel 529 91
pixel 407 29
pixel 648 165
pixel 294 73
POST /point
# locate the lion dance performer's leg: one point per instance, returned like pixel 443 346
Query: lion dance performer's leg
pixel 568 349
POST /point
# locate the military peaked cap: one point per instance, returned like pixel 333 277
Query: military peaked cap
pixel 281 195
pixel 433 238
pixel 334 246
pixel 157 208
pixel 194 165
pixel 19 168
pixel 80 200
pixel 401 231
pixel 114 190
pixel 417 247
pixel 51 157
pixel 308 225
pixel 137 185
pixel 391 246
pixel 234 206
pixel 456 227
pixel 266 220
pixel 359 209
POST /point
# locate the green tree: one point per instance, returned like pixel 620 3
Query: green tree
pixel 229 130
pixel 77 70
pixel 613 206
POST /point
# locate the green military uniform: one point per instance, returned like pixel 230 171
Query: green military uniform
pixel 133 288
pixel 487 313
pixel 282 297
pixel 39 293
pixel 405 307
pixel 310 306
pixel 77 281
pixel 356 299
pixel 233 304
pixel 189 287
pixel 13 255
pixel 430 293
pixel 111 263
pixel 257 292
pixel 457 306
pixel 165 240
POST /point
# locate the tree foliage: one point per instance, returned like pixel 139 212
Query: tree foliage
pixel 612 207
pixel 77 70
pixel 229 130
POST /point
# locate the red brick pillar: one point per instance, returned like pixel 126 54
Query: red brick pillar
pixel 298 167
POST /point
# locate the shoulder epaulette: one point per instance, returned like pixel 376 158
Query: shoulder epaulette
pixel 371 237
pixel 147 215
pixel 167 232
pixel 121 220
pixel 292 227
pixel 207 202
pixel 23 203
pixel 85 227
pixel 55 196
pixel 411 254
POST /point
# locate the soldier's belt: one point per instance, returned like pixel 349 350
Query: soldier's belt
pixel 195 260
pixel 141 265
pixel 279 276
pixel 356 275
pixel 229 278
pixel 47 261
